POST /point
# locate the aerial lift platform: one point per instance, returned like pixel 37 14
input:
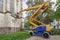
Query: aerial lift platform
pixel 40 28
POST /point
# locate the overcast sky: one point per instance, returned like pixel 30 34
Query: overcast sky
pixel 24 4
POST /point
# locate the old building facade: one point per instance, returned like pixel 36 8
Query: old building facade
pixel 8 23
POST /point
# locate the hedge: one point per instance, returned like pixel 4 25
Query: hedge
pixel 55 31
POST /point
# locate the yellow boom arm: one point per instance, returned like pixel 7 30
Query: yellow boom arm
pixel 38 8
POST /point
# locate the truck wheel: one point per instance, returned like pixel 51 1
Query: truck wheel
pixel 46 35
pixel 31 33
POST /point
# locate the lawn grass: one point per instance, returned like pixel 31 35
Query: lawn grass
pixel 22 35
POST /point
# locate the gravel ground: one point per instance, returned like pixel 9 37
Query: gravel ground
pixel 57 37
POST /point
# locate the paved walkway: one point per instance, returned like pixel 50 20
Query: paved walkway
pixel 41 38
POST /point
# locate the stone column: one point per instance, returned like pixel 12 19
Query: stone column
pixel 6 16
pixel 4 5
pixel 8 5
pixel 15 3
pixel 19 8
pixel 17 22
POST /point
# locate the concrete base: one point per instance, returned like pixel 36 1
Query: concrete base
pixel 7 30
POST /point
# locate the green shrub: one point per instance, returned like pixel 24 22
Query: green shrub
pixel 55 31
pixel 27 24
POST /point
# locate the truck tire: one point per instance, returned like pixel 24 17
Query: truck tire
pixel 31 33
pixel 45 35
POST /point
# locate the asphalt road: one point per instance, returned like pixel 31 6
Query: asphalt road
pixel 56 37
